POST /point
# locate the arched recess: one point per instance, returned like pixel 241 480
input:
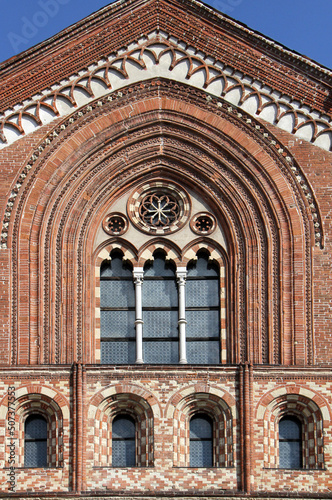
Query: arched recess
pixel 133 401
pixel 249 185
pixel 43 401
pixel 309 408
pixel 219 406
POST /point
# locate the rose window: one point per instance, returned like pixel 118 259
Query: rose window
pixel 159 210
pixel 159 207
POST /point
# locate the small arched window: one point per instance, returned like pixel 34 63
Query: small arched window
pixel 117 312
pixel 203 312
pixel 160 312
pixel 290 443
pixel 123 442
pixel 201 441
pixel 35 441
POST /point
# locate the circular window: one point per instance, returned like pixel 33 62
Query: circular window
pixel 203 223
pixel 159 207
pixel 115 224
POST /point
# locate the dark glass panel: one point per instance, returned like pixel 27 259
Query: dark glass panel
pixel 159 267
pixel 123 442
pixel 118 352
pixel 160 324
pixel 205 352
pixel 117 324
pixel 201 441
pixel 35 444
pixel 290 443
pixel 161 352
pixel 115 267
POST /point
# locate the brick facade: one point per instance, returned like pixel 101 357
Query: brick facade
pixel 171 98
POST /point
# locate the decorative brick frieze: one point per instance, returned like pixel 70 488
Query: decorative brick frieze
pixel 161 55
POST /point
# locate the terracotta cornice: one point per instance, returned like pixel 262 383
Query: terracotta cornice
pixel 198 26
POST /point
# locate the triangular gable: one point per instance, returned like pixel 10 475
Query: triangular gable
pixel 187 42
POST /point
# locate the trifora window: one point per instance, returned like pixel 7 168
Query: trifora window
pixel 160 314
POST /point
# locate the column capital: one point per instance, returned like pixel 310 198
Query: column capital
pixel 138 274
pixel 181 274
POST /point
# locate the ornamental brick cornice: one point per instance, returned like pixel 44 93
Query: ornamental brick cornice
pixel 162 55
pixel 195 26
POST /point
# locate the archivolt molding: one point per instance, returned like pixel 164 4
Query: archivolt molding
pixel 161 55
pixel 218 107
pixel 211 161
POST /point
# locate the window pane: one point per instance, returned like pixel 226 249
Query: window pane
pixel 117 291
pixel 290 443
pixel 35 441
pixel 201 454
pixel 202 323
pixel 201 441
pixel 159 267
pixel 115 267
pixel 35 454
pixel 200 427
pixel 35 427
pixel 117 294
pixel 202 267
pixel 289 429
pixel 290 455
pixel 117 324
pixel 118 352
pixel 123 454
pixel 202 293
pixel 162 352
pixel 123 442
pixel 203 352
pixel 160 323
pixel 123 427
pixel 160 293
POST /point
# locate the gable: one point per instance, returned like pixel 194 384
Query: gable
pixel 126 43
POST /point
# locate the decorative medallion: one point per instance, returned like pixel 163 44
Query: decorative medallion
pixel 115 224
pixel 159 207
pixel 203 223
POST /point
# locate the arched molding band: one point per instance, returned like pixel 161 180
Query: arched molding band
pixel 233 194
pixel 160 55
pixel 58 135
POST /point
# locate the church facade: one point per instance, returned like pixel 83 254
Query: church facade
pixel 165 261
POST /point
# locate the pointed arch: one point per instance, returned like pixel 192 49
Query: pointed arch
pixel 248 190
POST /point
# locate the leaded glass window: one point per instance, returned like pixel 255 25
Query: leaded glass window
pixel 201 441
pixel 290 443
pixel 117 312
pixel 123 442
pixel 35 441
pixel 203 312
pixel 160 312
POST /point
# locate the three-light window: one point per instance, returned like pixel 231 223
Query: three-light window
pixel 160 314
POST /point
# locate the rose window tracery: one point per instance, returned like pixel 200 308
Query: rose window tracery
pixel 159 209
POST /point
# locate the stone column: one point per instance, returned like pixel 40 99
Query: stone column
pixel 181 275
pixel 138 280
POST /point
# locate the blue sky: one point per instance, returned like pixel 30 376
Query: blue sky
pixel 301 25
